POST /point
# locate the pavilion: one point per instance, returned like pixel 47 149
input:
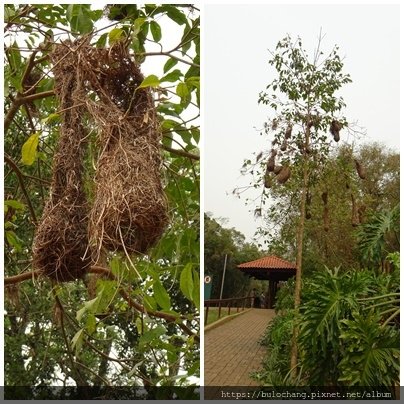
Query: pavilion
pixel 273 269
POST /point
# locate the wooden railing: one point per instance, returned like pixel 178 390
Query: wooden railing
pixel 237 303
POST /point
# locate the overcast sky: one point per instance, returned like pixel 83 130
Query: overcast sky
pixel 236 43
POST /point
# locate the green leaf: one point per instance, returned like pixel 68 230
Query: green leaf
pixel 196 290
pixel 196 134
pixel 91 323
pixel 8 12
pixel 150 81
pixel 152 335
pixel 15 56
pixel 187 282
pixel 6 87
pixel 50 119
pixel 175 14
pixel 155 30
pixel 161 295
pixel 80 313
pixel 92 305
pixel 102 40
pixel 169 64
pixel 182 90
pixel 77 341
pixel 139 325
pixel 29 149
pixel 149 303
pixel 13 240
pixel 79 18
pixel 116 35
pixel 193 81
pixel 137 25
pixel 17 205
pixel 173 76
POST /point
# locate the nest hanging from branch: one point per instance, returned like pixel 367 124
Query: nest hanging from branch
pixel 129 212
pixel 61 242
pixel 335 127
pixel 283 175
pixel 267 180
pixel 360 170
pixel 129 208
pixel 288 132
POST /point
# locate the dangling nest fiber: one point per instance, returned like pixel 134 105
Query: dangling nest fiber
pixel 61 241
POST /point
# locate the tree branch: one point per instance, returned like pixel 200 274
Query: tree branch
pixel 10 280
pixel 181 153
pixel 20 177
pixel 171 56
pixel 139 307
pixel 20 100
pixel 104 271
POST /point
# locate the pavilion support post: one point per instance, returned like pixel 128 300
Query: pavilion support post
pixel 270 294
pixel 267 297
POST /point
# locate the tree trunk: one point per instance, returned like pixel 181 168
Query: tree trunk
pixel 299 258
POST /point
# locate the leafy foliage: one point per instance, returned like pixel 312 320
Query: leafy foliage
pixel 98 332
pixel 348 334
pixel 330 297
pixel 371 352
pixel 379 236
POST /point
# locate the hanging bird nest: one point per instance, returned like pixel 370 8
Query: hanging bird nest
pixel 61 242
pixel 335 127
pixel 271 164
pixel 360 170
pixel 267 181
pixel 283 175
pixel 129 209
pixel 284 145
pixel 129 212
pixel 288 132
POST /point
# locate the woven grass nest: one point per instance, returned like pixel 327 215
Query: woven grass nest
pixel 98 88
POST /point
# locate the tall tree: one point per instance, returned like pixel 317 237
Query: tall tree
pixel 306 114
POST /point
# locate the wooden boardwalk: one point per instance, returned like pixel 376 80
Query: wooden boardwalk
pixel 232 349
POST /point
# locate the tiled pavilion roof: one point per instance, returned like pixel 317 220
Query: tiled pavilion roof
pixel 270 267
